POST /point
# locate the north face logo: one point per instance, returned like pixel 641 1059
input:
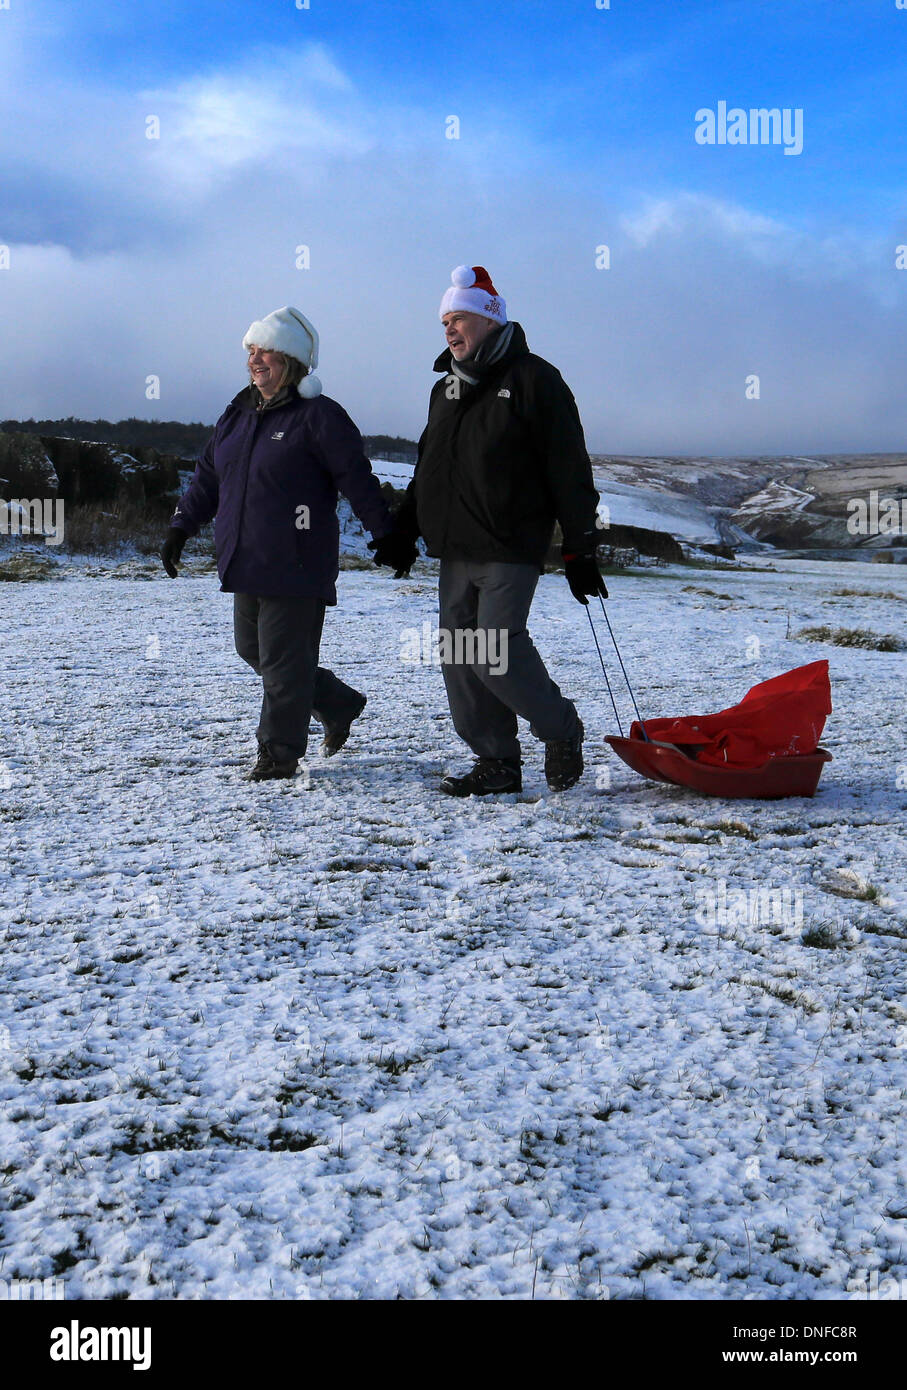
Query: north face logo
pixel 278 434
pixel 504 392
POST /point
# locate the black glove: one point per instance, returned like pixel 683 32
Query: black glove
pixel 172 549
pixel 584 577
pixel 397 550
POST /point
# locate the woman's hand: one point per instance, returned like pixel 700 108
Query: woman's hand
pixel 172 549
pixel 400 552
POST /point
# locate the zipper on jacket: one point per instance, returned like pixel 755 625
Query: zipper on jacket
pixel 256 421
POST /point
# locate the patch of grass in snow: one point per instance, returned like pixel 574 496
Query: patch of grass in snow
pixel 324 921
pixel 851 637
pixel 398 1140
pixel 136 1139
pixel 785 993
pixel 693 837
pixel 707 593
pixel 734 827
pixel 27 568
pixel 68 1066
pixel 530 1139
pixel 14 1198
pixel 811 1160
pixel 283 1140
pixel 359 866
pixel 691 563
pixel 868 593
pixel 144 1086
pixel 92 529
pixel 657 1257
pixel 608 1110
pixel 392 1064
pixel 847 883
pixel 875 930
pixel 64 1260
pixel 823 937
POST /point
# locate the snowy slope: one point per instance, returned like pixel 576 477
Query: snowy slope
pixel 790 502
pixel 392 471
pixel 683 517
pixel 622 503
pixel 344 1037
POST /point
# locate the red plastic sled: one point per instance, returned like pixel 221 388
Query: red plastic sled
pixel 792 776
pixel 766 746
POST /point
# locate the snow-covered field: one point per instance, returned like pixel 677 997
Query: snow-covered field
pixel 345 1037
pixel 392 471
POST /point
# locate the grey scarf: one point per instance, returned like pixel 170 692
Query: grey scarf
pixel 487 354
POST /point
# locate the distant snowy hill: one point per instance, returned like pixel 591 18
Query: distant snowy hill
pixel 796 504
pixel 685 518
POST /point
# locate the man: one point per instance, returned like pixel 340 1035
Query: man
pixel 501 459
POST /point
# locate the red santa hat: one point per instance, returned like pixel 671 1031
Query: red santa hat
pixel 471 289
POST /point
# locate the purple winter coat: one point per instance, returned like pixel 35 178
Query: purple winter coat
pixel 259 472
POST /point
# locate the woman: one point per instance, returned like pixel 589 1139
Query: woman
pixel 270 473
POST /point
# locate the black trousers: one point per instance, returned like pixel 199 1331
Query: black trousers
pixel 280 638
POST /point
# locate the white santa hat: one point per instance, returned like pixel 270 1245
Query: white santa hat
pixel 471 289
pixel 288 331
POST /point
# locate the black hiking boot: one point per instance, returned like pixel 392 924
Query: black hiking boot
pixel 564 761
pixel 267 769
pixel 489 777
pixel 336 735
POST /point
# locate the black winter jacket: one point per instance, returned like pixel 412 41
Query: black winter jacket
pixel 499 463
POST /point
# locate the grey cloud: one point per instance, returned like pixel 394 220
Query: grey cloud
pixel 165 255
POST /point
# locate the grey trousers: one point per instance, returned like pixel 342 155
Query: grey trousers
pixel 496 597
pixel 279 638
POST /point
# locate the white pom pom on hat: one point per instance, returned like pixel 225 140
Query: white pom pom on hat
pixel 472 291
pixel 310 386
pixel 287 330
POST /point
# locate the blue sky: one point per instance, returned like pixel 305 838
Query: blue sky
pixel 326 127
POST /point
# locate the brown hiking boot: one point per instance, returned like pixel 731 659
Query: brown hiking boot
pixel 267 769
